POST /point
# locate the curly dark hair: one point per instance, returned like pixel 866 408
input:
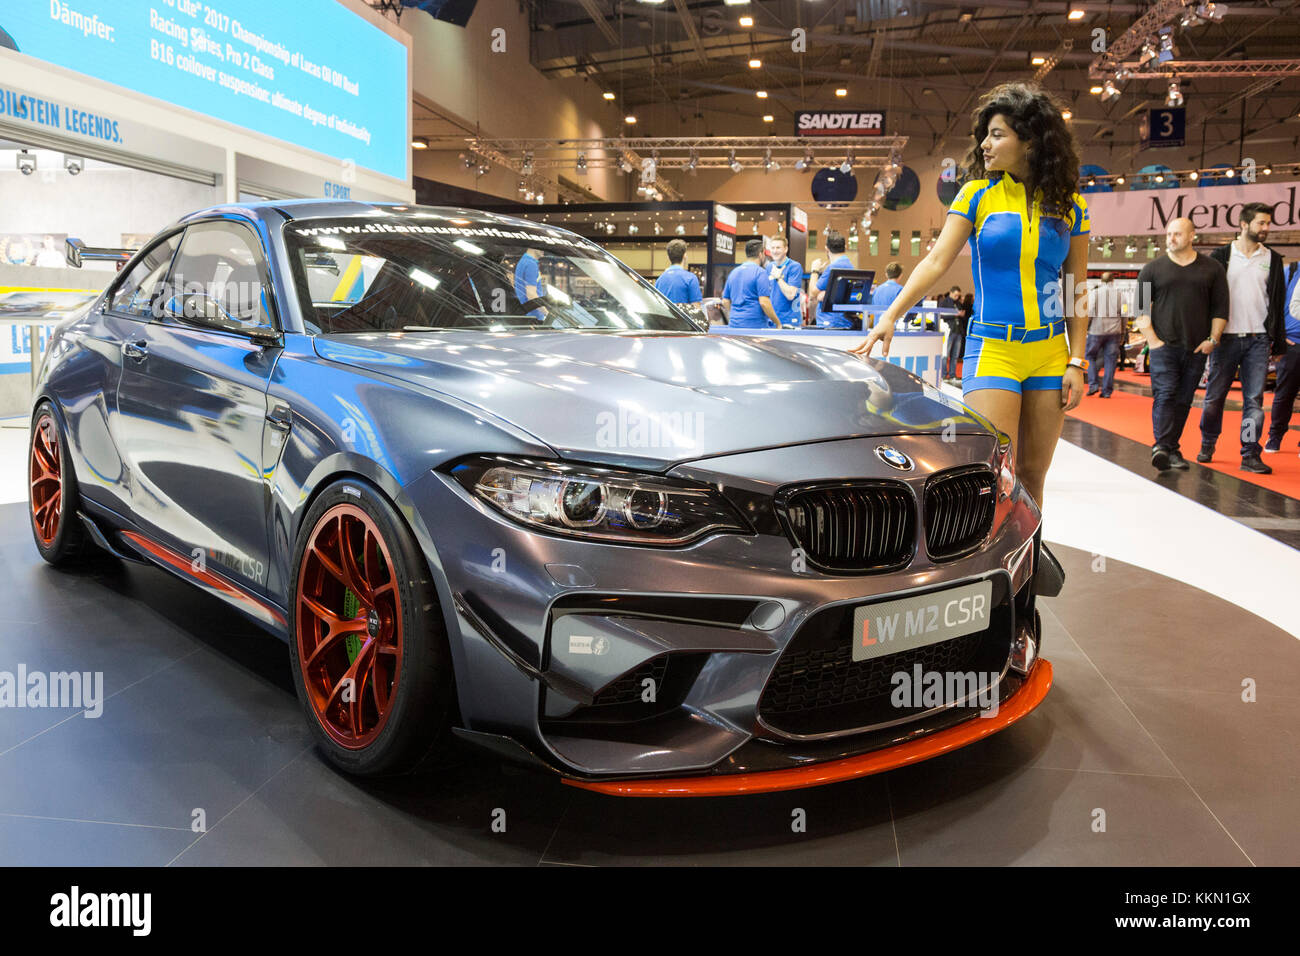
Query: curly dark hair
pixel 1035 116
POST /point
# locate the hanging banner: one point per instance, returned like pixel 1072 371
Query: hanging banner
pixel 839 123
pixel 1210 208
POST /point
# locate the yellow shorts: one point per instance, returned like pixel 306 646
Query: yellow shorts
pixel 1014 366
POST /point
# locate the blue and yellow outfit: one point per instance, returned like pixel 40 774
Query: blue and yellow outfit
pixel 1016 337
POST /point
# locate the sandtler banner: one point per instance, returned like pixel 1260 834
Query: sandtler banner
pixel 1210 208
pixel 839 123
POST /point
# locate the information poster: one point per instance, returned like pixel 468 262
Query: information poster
pixel 310 72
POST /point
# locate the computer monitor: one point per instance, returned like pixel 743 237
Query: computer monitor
pixel 849 290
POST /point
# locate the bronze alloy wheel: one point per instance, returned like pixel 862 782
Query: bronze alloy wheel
pixel 349 626
pixel 45 477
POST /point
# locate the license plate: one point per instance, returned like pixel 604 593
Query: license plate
pixel 893 626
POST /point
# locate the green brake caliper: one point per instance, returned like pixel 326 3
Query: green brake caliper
pixel 351 606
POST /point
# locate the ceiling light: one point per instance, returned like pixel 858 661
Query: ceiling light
pixel 841 92
pixel 1119 180
pixel 965 17
pixel 768 118
pixel 761 94
pixel 1094 90
pixel 755 63
pixel 582 162
pixel 1211 11
pixel 629 119
pixel 735 3
pixel 1193 175
pixel 1067 114
pixel 746 21
pixel 419 143
pixel 1037 59
pixel 1267 170
pixel 1076 13
pixel 625 165
pixel 846 167
pixel 1147 54
pixel 693 162
pixel 1109 92
pixel 1160 177
pixel 1175 95
pixel 608 95
pixel 768 161
pixel 733 162
pixel 527 168
pixel 680 230
pixel 1092 180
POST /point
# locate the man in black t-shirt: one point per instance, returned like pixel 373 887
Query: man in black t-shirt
pixel 1182 310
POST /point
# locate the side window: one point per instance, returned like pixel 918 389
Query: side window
pixel 220 271
pixel 140 291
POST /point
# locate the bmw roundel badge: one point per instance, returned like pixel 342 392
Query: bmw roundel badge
pixel 894 458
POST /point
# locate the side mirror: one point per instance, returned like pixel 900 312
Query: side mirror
pixel 206 312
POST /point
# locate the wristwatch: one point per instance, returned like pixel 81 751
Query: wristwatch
pixel 1080 363
pixel 1212 340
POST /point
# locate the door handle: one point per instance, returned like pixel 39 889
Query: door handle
pixel 281 416
pixel 137 351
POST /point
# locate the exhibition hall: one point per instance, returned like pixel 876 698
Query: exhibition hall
pixel 575 433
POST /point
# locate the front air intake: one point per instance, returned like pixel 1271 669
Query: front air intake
pixel 853 527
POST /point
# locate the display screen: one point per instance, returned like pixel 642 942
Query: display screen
pixel 310 72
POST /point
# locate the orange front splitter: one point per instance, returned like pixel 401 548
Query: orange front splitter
pixel 1029 696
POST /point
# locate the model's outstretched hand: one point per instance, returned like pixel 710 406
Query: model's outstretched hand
pixel 883 332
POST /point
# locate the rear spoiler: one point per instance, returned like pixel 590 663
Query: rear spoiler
pixel 77 252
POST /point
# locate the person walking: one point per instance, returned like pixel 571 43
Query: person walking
pixel 1256 329
pixel 1182 310
pixel 1105 336
pixel 1027 226
pixel 1288 370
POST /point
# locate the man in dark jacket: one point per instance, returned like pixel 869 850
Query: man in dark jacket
pixel 1256 328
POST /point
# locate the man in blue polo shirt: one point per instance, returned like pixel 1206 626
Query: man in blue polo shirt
pixel 819 277
pixel 678 283
pixel 883 296
pixel 748 293
pixel 528 280
pixel 786 278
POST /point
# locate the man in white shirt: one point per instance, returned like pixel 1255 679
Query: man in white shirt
pixel 1256 328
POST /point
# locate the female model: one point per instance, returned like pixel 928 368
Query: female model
pixel 1028 234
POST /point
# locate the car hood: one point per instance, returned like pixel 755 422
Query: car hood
pixel 658 399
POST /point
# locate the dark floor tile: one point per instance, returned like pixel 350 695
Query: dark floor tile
pixel 38 842
pixel 1240 758
pixel 847 824
pixel 948 815
pixel 311 815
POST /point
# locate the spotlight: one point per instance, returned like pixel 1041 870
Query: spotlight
pixel 746 22
pixel 1160 177
pixel 1094 90
pixel 761 94
pixel 1067 114
pixel 607 95
pixel 1119 180
pixel 841 92
pixel 1193 175
pixel 75 164
pixel 625 165
pixel 467 160
pixel 846 167
pixel 419 143
pixel 1211 11
pixel 1267 170
pixel 484 169
pixel 527 168
pixel 1175 95
pixel 693 163
pixel 582 162
pixel 1092 180
pixel 1037 59
pixel 1076 13
pixel 633 229
pixel 1109 92
pixel 755 63
pixel 1167 49
pixel 680 230
pixel 629 119
pixel 733 162
pixel 805 163
pixel 1189 20
pixel 768 161
pixel 1148 53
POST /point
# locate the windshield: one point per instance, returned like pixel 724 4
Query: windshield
pixel 437 273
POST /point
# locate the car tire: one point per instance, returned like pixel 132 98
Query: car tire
pixel 52 496
pixel 367 641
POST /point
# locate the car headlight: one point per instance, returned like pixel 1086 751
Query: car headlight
pixel 1004 464
pixel 599 503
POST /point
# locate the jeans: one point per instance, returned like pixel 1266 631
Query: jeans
pixel 1249 353
pixel 1106 348
pixel 956 348
pixel 1288 385
pixel 1175 373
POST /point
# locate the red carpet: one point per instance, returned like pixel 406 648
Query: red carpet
pixel 1130 415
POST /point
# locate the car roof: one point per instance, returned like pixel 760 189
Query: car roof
pixel 293 209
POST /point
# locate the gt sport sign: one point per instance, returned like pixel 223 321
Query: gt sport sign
pixel 839 123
